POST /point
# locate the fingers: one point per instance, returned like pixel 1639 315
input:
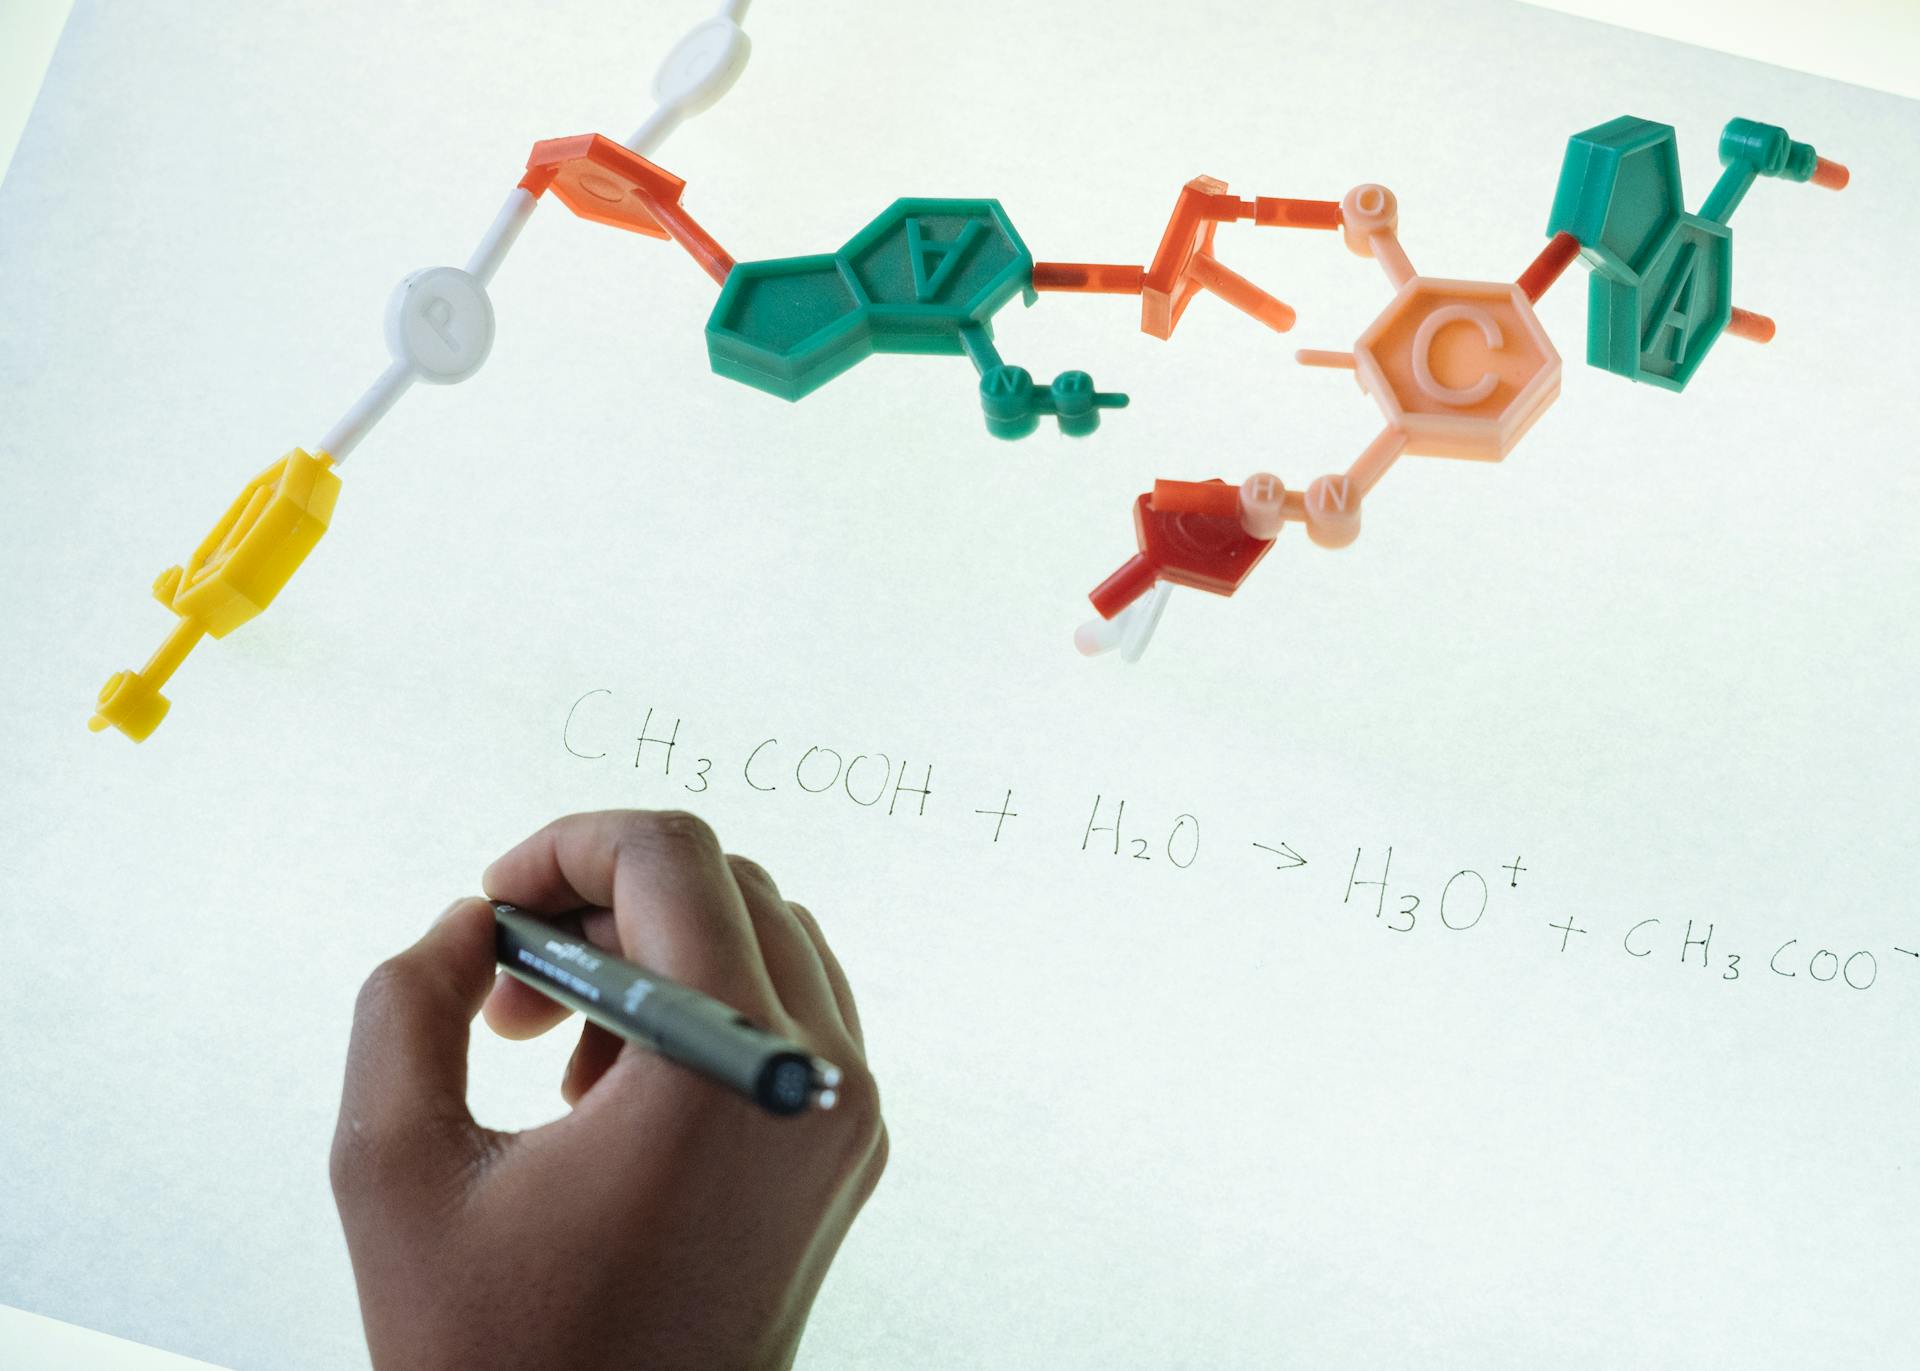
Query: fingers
pixel 674 899
pixel 592 1055
pixel 405 1095
pixel 836 978
pixel 516 1010
pixel 793 962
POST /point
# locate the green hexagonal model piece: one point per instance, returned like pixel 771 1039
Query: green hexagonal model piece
pixel 1660 328
pixel 907 282
pixel 931 266
pixel 789 325
pixel 926 276
pixel 1661 292
pixel 1619 192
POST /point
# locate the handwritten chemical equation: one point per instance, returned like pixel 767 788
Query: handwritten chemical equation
pixel 902 789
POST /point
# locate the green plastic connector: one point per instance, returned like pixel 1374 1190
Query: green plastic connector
pixel 1014 405
pixel 1749 150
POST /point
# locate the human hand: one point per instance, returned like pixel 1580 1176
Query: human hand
pixel 665 1221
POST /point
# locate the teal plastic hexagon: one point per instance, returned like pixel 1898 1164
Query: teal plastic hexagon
pixel 929 266
pixel 1660 327
pixel 789 325
pixel 1619 193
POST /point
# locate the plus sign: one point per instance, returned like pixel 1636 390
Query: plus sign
pixel 1567 930
pixel 1001 815
pixel 1515 867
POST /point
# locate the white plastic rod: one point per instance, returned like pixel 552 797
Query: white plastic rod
pixel 646 139
pixel 701 68
pixel 500 235
pixel 367 411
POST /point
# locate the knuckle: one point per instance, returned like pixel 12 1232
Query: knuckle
pixel 857 1116
pixel 749 872
pixel 876 1165
pixel 672 830
pixel 352 1160
pixel 390 985
pixel 877 1158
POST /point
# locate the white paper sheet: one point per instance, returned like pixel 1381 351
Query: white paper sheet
pixel 1661 660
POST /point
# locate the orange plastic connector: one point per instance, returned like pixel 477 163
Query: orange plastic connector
pixel 1093 277
pixel 1212 498
pixel 1259 503
pixel 1744 323
pixel 1830 175
pixel 1184 264
pixel 598 179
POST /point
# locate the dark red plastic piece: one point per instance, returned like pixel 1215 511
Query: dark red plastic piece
pixel 1205 552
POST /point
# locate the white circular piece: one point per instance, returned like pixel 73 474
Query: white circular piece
pixel 702 66
pixel 440 323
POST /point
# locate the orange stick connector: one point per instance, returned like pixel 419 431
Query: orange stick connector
pixel 1197 497
pixel 1545 269
pixel 1206 271
pixel 1275 212
pixel 1755 328
pixel 1831 175
pixel 1106 278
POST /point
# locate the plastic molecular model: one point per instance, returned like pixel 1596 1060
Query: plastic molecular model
pixel 1458 368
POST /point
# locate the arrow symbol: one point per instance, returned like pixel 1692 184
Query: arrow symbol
pixel 1293 858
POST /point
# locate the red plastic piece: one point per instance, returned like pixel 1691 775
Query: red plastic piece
pixel 1831 175
pixel 1203 551
pixel 1545 269
pixel 598 179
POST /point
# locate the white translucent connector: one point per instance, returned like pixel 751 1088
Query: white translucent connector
pixel 1130 630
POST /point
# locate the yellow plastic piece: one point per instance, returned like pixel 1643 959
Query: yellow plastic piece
pixel 268 530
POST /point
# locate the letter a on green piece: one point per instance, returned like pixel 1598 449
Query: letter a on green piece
pixel 943 258
pixel 1674 310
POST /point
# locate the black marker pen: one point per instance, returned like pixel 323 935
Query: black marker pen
pixel 680 1024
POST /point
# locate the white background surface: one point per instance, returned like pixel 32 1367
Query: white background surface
pixel 1142 1116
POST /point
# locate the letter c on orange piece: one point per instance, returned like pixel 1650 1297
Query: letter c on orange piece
pixel 1461 397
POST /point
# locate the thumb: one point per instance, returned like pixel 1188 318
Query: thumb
pixel 405 1099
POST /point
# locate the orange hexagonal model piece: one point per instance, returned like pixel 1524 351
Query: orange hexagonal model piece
pixel 1463 368
pixel 600 180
